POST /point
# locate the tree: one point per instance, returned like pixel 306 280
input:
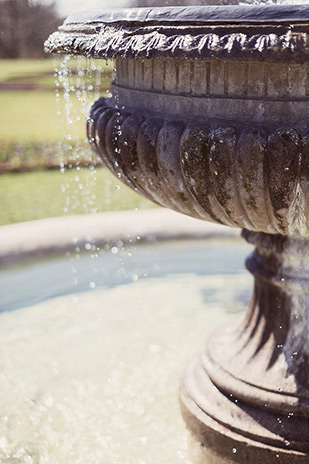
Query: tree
pixel 24 25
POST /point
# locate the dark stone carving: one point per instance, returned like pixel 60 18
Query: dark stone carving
pixel 254 32
pixel 215 124
pixel 117 41
pixel 205 168
pixel 257 372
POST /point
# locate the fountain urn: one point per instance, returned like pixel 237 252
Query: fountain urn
pixel 209 116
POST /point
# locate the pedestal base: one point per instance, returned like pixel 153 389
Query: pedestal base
pixel 199 454
pixel 222 442
pixel 246 396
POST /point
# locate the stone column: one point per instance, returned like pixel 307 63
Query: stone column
pixel 210 117
pixel 246 396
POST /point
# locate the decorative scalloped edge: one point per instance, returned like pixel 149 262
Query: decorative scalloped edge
pixel 280 43
pixel 222 187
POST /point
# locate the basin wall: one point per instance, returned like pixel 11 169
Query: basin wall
pixel 276 92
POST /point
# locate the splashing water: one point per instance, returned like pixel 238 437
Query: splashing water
pixel 75 386
pixel 78 82
pixel 92 377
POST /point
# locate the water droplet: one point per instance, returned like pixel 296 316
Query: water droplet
pixel 114 250
pixel 234 450
pixel 134 277
pixel 92 284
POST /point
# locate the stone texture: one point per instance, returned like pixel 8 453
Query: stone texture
pixel 57 235
pixel 193 32
pixel 257 371
pixel 208 169
pixel 215 124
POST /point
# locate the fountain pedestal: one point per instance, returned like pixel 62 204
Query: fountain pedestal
pixel 210 117
pixel 247 394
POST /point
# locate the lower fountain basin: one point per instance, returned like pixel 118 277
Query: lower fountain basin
pixel 92 376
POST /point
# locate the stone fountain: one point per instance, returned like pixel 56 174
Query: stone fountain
pixel 209 116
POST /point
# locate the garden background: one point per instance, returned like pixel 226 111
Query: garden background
pixel 46 166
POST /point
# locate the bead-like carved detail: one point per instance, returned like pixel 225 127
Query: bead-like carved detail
pixel 208 170
pixel 111 41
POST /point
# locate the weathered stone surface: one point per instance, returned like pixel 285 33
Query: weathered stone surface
pixel 215 124
pixel 252 379
pixel 207 169
pixel 193 32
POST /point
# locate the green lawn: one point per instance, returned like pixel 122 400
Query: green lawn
pixel 37 71
pixel 36 195
pixel 15 69
pixel 31 133
pixel 32 115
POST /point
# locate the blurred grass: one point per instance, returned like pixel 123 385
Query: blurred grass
pixel 32 136
pixel 41 72
pixel 32 115
pixel 16 69
pixel 35 195
pixel 24 155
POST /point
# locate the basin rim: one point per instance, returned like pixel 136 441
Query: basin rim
pixel 214 14
pixel 271 32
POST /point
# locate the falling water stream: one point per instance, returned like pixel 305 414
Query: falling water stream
pixel 91 354
pixel 78 90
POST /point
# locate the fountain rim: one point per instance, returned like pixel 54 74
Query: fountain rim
pixel 262 32
pixel 199 15
pixel 44 237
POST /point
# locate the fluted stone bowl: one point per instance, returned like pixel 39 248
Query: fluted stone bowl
pixel 209 116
